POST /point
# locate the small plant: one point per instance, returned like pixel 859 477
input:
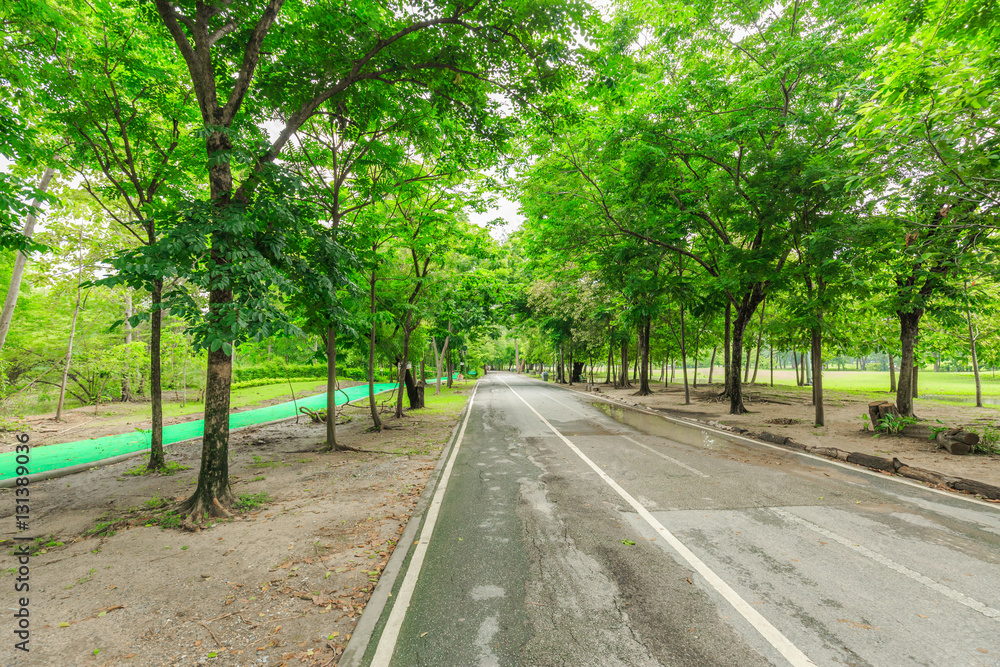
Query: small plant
pixel 989 439
pixel 155 502
pixel 894 424
pixel 169 521
pixel 258 478
pixel 251 501
pixel 865 423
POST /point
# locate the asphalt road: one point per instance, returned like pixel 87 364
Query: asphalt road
pixel 569 532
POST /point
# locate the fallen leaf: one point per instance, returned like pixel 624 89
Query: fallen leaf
pixel 982 650
pixel 64 624
pixel 423 634
pixel 921 616
pixel 198 643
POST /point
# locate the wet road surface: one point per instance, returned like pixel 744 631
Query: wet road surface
pixel 571 532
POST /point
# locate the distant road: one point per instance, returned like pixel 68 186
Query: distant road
pixel 565 537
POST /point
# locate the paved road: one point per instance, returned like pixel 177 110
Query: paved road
pixel 573 533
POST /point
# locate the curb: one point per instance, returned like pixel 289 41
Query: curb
pixel 891 466
pixel 357 645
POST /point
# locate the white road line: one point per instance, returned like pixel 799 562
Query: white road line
pixel 669 458
pixel 892 565
pixel 390 634
pixel 770 633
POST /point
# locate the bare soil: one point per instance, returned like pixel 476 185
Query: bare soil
pixel 281 584
pixel 789 412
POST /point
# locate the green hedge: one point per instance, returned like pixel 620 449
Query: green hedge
pixel 277 371
pixel 280 370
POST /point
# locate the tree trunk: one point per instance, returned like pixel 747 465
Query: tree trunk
pixel 18 273
pixel 403 372
pixel 126 377
pixel 69 347
pixel 975 361
pixel 611 345
pixel 909 325
pixel 916 374
pixel 687 390
pixel 795 366
pixel 711 364
pixel 770 356
pixel 727 358
pixel 744 312
pixel 156 457
pixel 746 366
pixel 376 420
pixel 760 337
pixel 817 368
pixel 892 374
pixel 451 369
pixel 517 358
pixel 572 366
pixel 644 329
pixel 331 391
pixel 625 384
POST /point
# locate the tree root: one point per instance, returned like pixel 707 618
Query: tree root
pixel 197 508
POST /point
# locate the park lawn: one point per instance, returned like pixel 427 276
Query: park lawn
pixel 928 382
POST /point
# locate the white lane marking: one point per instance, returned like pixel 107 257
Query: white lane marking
pixel 390 634
pixel 891 564
pixel 770 633
pixel 669 458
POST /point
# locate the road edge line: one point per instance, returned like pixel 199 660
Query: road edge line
pixel 357 645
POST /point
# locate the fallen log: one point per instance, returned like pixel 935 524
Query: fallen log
pixel 869 461
pixel 976 488
pixel 924 475
pixel 957 441
pixel 767 436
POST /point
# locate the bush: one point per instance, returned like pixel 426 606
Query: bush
pixel 279 369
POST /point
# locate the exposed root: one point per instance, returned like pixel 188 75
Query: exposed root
pixel 197 508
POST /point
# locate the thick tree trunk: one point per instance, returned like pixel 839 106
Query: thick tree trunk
pixel 916 375
pixel 909 325
pixel 625 384
pixel 644 329
pixel 213 494
pixel 156 457
pixel 19 262
pixel 744 313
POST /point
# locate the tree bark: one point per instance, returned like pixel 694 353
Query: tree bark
pixel 817 368
pixel 744 313
pixel 625 384
pixel 611 346
pixel 644 330
pixel 376 420
pixel 711 364
pixel 975 361
pixel 727 359
pixel 157 460
pixel 126 377
pixel 19 262
pixel 331 391
pixel 687 390
pixel 909 325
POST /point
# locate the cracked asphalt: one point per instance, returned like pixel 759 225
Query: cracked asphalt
pixel 537 560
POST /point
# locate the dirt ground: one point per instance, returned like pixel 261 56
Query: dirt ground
pixel 788 411
pixel 281 584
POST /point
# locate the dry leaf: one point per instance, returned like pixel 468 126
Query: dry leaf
pixel 423 634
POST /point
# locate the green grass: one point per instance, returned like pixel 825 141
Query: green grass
pixel 929 382
pixel 251 501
